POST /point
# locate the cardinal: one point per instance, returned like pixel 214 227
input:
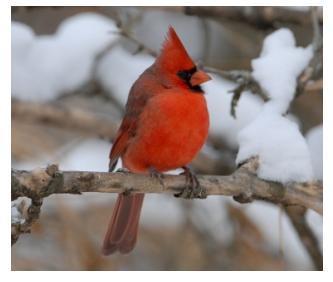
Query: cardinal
pixel 165 125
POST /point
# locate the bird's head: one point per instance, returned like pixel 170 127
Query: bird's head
pixel 177 67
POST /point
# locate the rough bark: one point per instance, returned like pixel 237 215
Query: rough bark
pixel 243 185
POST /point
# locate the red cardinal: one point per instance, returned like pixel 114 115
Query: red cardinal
pixel 165 125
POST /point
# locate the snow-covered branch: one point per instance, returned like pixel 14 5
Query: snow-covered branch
pixel 243 185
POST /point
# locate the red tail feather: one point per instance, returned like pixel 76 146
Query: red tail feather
pixel 123 227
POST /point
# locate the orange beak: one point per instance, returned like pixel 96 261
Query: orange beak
pixel 199 77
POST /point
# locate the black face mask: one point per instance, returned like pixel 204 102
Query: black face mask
pixel 186 75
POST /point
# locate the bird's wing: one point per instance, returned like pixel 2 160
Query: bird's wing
pixel 120 143
pixel 137 99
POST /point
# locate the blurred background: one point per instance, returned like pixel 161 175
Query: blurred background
pixel 72 68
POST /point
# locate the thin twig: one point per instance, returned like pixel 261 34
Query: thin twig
pixel 296 215
pixel 315 68
pixel 141 45
pixel 245 81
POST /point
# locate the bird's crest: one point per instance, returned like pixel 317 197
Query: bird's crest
pixel 173 56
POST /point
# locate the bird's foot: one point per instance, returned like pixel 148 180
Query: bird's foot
pixel 193 189
pixel 157 175
pixel 123 170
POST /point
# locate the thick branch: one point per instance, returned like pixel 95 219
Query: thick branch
pixel 242 183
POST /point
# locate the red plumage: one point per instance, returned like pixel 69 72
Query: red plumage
pixel 165 125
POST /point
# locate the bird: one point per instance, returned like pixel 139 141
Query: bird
pixel 165 125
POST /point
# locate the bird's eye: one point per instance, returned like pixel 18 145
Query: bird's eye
pixel 184 75
pixel 187 74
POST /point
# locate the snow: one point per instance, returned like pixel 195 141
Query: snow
pixel 64 59
pixel 282 150
pixel 22 39
pixel 219 102
pixel 16 216
pixel 314 137
pixel 219 98
pixel 279 65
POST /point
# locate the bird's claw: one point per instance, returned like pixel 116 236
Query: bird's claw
pixel 157 175
pixel 193 189
pixel 123 170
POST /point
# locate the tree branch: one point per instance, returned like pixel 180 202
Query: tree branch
pixel 311 77
pixel 296 215
pixel 260 17
pixel 243 182
pixel 244 80
pixel 65 117
pixel 243 185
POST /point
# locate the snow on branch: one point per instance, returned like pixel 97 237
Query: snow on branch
pixel 243 185
pixel 275 139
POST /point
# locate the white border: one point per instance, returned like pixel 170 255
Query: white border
pixel 225 276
